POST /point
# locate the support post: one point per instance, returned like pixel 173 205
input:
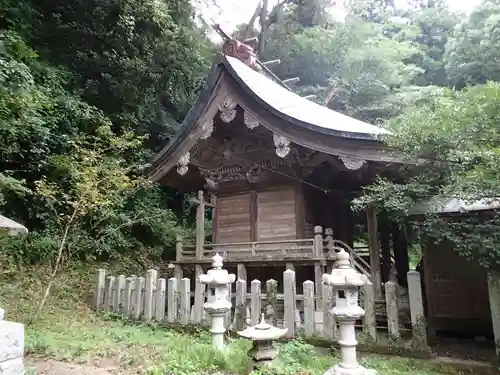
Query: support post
pixel 371 221
pixel 401 258
pixel 329 243
pixel 178 249
pixel 200 225
pixel 385 246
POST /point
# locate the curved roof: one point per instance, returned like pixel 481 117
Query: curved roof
pixel 265 95
pixel 295 108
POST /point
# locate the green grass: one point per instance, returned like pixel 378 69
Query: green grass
pixel 67 330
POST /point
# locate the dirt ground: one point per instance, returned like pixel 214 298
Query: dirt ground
pixel 51 367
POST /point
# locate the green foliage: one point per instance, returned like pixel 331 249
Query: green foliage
pixel 472 52
pixel 73 137
pixel 366 68
pixel 456 145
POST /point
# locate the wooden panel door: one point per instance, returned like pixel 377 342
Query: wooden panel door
pixel 233 219
pixel 276 216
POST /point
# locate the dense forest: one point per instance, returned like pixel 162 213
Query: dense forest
pixel 90 90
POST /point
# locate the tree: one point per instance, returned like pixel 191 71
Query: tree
pixel 452 146
pixel 472 52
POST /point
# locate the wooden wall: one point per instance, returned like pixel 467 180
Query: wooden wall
pixel 456 291
pixel 259 215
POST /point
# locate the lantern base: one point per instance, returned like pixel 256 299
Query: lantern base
pixel 360 370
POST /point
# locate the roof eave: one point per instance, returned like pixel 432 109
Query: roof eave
pixel 302 124
pixel 189 121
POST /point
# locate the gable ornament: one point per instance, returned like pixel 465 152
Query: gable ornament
pixel 282 145
pixel 352 164
pixel 228 109
pixel 182 164
pixel 250 121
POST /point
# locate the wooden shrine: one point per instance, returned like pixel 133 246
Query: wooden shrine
pixel 279 172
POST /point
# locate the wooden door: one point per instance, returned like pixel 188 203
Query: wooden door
pixel 276 215
pixel 233 219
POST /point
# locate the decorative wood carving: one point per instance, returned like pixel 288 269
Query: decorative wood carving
pixel 228 109
pixel 250 121
pixel 241 51
pixel 282 145
pixel 182 164
pixel 249 172
pixel 208 128
pixel 352 163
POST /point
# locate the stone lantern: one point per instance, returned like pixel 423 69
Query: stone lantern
pixel 262 335
pixel 346 281
pixel 218 302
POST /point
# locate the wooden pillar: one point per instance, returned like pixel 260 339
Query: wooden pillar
pixel 213 201
pixel 385 246
pixel 200 225
pixel 371 221
pixel 401 258
pixel 329 243
pixel 178 249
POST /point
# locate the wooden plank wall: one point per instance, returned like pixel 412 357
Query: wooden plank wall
pixel 276 217
pixel 265 215
pixel 233 218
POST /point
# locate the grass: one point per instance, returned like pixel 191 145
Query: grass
pixel 67 330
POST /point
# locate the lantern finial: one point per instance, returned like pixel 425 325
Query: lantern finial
pixel 217 261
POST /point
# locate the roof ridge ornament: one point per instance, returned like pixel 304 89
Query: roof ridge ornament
pixel 241 51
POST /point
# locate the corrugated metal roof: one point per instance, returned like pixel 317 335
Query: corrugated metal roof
pixel 299 108
pixel 443 206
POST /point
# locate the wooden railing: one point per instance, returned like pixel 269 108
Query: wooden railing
pixel 258 250
pixel 361 265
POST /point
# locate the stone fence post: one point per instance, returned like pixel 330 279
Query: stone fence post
pixel 11 347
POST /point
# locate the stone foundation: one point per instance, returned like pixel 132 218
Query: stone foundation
pixel 11 347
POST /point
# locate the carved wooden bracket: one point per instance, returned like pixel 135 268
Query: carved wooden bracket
pixel 352 163
pixel 250 121
pixel 182 164
pixel 208 128
pixel 282 145
pixel 228 109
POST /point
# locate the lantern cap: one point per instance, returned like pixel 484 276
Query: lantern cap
pixel 263 331
pixel 263 325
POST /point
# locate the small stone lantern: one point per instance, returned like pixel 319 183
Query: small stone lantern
pixel 346 281
pixel 262 335
pixel 218 303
